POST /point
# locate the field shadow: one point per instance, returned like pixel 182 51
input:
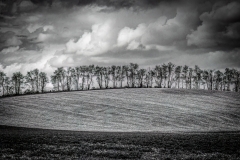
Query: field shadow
pixel 29 143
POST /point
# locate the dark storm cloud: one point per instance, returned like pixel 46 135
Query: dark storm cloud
pixel 220 27
pixel 148 32
pixel 16 6
pixel 9 39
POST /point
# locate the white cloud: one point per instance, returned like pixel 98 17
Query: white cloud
pixel 166 32
pixel 98 41
pixel 133 45
pixel 161 32
pixel 81 44
pixel 127 35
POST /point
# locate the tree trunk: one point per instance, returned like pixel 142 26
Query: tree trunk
pixel 113 81
pixel 127 81
pixel 19 85
pixel 228 86
pixel 237 84
pixel 182 83
pixel 83 79
pixel 3 86
pixel 77 84
pixel 211 84
pixel 186 82
pixel 178 83
pixel 7 90
pixel 37 84
pixel 132 81
pixel 190 82
pixel 160 84
pixel 58 85
pixel 121 80
pixel 42 86
pixel 169 80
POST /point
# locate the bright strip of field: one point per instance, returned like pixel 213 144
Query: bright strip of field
pixel 165 110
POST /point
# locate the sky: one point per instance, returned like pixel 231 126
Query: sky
pixel 47 34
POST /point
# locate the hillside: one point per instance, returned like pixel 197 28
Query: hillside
pixel 165 110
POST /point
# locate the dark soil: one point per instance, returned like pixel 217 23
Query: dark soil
pixel 27 143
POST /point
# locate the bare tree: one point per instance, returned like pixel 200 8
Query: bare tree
pixel 121 75
pixel 89 75
pixel 178 70
pixel 118 75
pixel 133 72
pixel 218 76
pixel 190 75
pixel 236 79
pixel 126 71
pixel 140 77
pixel 149 78
pixel 210 78
pixel 205 78
pixel 36 77
pixel 170 68
pixel 99 74
pixel 17 80
pixel 229 75
pixel 62 73
pixel 2 80
pixel 184 75
pixel 197 76
pixel 30 79
pixel 55 81
pixel 114 74
pixel 77 76
pixel 69 77
pixel 43 80
pixel 59 78
pixel 83 70
pixel 8 85
pixel 106 75
pixel 158 70
pixel 164 73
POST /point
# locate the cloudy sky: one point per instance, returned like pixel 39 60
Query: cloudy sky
pixel 47 34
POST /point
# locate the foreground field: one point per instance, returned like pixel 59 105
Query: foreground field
pixel 164 110
pixel 22 143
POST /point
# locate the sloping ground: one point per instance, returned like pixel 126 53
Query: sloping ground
pixel 165 110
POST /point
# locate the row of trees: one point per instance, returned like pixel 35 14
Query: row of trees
pixel 131 76
pixel 33 82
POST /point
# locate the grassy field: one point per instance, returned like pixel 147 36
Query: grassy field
pixel 164 110
pixel 25 143
pixel 121 124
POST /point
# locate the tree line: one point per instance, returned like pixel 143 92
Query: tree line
pixel 130 76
